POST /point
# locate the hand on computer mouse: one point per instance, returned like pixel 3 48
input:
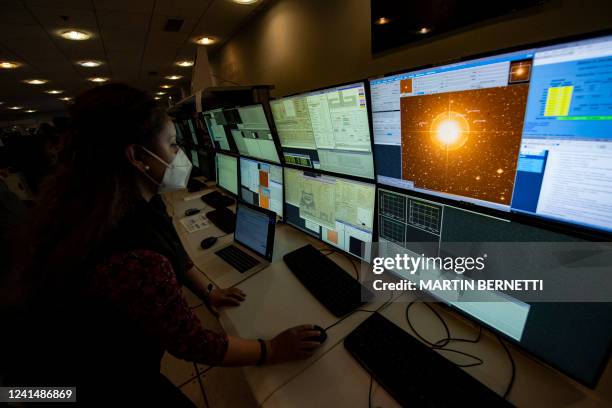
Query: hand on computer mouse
pixel 231 297
pixel 293 344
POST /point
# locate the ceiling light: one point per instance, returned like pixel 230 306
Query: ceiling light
pixel 9 64
pixel 89 63
pixel 75 35
pixel 185 63
pixel 97 79
pixel 174 77
pixel 54 91
pixel 423 30
pixel 245 1
pixel 15 107
pixel 382 21
pixel 35 81
pixel 205 40
pixel 160 93
pixel 166 86
pixel 30 111
pixel 157 98
pixel 65 98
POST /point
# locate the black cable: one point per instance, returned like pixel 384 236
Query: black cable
pixel 442 343
pixel 370 393
pixel 437 344
pixel 513 375
pixel 354 266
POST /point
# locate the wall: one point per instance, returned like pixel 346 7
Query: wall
pixel 304 44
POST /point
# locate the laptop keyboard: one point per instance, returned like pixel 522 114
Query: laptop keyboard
pixel 237 258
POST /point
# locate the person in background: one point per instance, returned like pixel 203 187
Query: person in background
pixel 94 294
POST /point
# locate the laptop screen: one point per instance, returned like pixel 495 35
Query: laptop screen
pixel 255 229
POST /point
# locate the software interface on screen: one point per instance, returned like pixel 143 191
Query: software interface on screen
pixel 528 131
pixel 215 123
pixel 338 211
pixel 251 132
pixel 227 172
pixel 261 184
pixel 252 229
pixel 327 130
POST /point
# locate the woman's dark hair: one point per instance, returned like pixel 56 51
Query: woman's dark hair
pixel 90 193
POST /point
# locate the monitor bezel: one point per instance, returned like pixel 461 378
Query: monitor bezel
pixel 576 230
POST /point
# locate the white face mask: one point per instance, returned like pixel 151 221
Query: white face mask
pixel 176 174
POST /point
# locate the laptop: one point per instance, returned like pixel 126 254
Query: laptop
pixel 253 239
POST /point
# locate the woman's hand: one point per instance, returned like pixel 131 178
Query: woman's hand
pixel 231 297
pixel 292 344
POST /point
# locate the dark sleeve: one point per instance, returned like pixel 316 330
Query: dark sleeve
pixel 143 284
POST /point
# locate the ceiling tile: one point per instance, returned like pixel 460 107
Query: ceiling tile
pixel 136 6
pixel 121 20
pixel 13 12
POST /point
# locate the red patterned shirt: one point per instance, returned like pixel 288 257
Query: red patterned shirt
pixel 143 284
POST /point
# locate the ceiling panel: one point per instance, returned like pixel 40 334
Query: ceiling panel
pixel 182 7
pixel 57 19
pixel 122 20
pixel 72 4
pixel 13 12
pixel 136 6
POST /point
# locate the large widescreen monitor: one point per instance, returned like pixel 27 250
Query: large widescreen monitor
pixel 527 132
pixel 327 130
pixel 336 210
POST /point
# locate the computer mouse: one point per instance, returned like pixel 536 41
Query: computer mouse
pixel 321 337
pixel 191 211
pixel 208 242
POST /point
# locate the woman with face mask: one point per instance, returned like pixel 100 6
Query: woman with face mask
pixel 93 298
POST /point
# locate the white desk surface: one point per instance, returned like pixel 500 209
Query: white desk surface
pixel 276 300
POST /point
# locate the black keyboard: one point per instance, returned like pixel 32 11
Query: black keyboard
pixel 223 218
pixel 414 374
pixel 217 200
pixel 237 258
pixel 329 283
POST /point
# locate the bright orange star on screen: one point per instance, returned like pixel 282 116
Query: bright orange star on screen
pixel 450 130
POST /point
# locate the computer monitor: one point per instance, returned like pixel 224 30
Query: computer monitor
pixel 336 210
pixel 216 125
pixel 527 132
pixel 227 172
pixel 261 184
pixel 327 129
pixel 573 337
pixel 251 132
